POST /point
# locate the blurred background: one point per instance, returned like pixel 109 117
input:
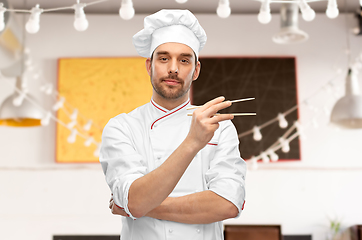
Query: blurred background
pixel 41 197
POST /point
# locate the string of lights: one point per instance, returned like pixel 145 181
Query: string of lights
pixel 75 130
pixel 127 12
pixel 81 23
pixel 266 156
pixel 308 14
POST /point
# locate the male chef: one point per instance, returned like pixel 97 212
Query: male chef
pixel 172 175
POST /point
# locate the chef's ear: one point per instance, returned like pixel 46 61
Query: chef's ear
pixel 197 71
pixel 148 65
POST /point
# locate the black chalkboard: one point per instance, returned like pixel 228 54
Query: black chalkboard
pixel 271 80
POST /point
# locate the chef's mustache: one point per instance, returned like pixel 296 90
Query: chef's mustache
pixel 172 76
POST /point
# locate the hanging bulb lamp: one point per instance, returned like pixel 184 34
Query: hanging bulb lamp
pixel 223 10
pixel 289 32
pixel 80 20
pixel 33 24
pixel 347 112
pixel 24 115
pixel 126 11
pixel 264 15
pixel 308 13
pixel 332 9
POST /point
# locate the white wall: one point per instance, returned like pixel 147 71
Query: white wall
pixel 39 198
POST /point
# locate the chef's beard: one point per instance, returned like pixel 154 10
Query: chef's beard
pixel 170 92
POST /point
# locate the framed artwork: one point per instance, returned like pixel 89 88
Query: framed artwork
pixel 270 80
pixel 99 88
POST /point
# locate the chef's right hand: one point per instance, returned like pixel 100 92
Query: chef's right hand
pixel 116 210
pixel 205 122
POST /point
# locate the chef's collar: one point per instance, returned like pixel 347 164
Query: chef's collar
pixel 164 110
pixel 163 113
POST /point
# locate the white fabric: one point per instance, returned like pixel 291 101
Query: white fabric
pixel 136 143
pixel 179 26
pixel 177 34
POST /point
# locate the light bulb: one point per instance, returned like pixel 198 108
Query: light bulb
pixel 360 3
pixel 19 99
pixel 73 136
pixel 181 1
pixel 264 157
pixel 71 124
pixel 97 151
pixel 264 15
pixel 45 121
pixel 59 104
pixel 33 24
pixel 80 22
pixel 223 10
pixel 74 115
pixel 285 147
pixel 2 19
pixel 308 13
pixel 88 142
pixel 49 89
pixel 285 144
pixel 88 125
pixel 254 163
pixel 126 11
pixel 300 129
pixel 332 12
pixel 282 122
pixel 273 156
pixel 257 134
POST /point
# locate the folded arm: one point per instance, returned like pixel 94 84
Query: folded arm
pixel 134 190
pixel 149 191
pixel 197 208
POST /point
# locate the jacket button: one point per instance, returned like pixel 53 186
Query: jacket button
pixel 198 230
pixel 170 230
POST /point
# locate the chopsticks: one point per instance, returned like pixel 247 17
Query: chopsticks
pixel 233 101
pixel 235 114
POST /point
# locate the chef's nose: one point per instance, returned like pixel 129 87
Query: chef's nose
pixel 173 68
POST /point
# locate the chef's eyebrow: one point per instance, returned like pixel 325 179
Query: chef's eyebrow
pixel 162 53
pixel 187 55
pixel 167 53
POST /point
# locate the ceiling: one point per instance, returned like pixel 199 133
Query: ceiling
pixel 196 6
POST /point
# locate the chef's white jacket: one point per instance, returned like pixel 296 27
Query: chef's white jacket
pixel 136 143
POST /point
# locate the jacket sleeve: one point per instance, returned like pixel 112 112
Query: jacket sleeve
pixel 120 161
pixel 227 170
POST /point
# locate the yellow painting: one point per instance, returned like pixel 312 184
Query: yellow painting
pixel 99 88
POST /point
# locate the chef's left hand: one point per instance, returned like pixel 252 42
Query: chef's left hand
pixel 116 210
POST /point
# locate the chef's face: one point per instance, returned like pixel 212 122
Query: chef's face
pixel 172 69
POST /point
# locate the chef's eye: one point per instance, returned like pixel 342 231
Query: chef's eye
pixel 163 59
pixel 185 61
